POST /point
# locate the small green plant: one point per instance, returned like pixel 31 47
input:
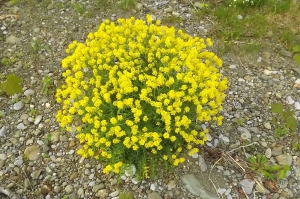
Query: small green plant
pixel 259 164
pixel 36 46
pixel 47 82
pixel 13 2
pixel 127 4
pixel 1 114
pixel 239 121
pixel 79 8
pixel 32 112
pixel 48 139
pixel 296 146
pixel 296 56
pixel 284 120
pixel 126 195
pixel 12 85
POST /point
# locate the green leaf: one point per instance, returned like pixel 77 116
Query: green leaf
pixel 286 167
pixel 296 58
pixel 281 174
pixel 292 123
pixel 277 108
pixel 12 84
pixel 128 195
pixel 296 48
pixel 287 114
pixel 252 160
pixel 275 167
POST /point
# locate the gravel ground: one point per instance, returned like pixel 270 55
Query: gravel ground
pixel 38 160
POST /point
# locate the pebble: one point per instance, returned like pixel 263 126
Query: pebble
pixel 96 188
pixel 114 194
pixel 267 125
pixel 268 153
pixel 3 156
pixel 289 100
pixel 284 159
pixel 29 92
pixel 247 185
pixel 192 184
pixel 154 195
pixel 18 106
pixel 32 152
pixel 38 119
pixel 80 192
pixel 21 126
pixel 2 131
pixel 69 189
pixel 171 184
pixel 12 39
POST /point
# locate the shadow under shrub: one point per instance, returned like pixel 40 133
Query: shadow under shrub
pixel 134 91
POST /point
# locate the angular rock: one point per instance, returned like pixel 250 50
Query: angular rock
pixel 284 159
pixel 32 152
pixel 18 105
pixel 38 119
pixel 2 131
pixel 196 187
pixel 154 195
pixel 12 39
pixel 247 185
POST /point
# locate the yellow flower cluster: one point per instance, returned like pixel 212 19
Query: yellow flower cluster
pixel 138 86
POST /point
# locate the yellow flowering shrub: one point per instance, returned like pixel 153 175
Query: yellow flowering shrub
pixel 134 91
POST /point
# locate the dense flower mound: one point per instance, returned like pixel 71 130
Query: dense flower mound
pixel 134 91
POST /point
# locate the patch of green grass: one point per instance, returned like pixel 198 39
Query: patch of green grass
pixel 80 9
pixel 171 19
pixel 127 4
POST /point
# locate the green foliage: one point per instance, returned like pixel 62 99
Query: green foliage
pixel 127 4
pixel 296 146
pixel 124 195
pixel 259 164
pixel 239 121
pixel 12 85
pixel 246 4
pixel 296 56
pixel 284 119
pixel 13 2
pixel 78 8
pixel 47 82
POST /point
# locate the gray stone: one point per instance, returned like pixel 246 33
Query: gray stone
pixel 80 192
pixel 38 119
pixel 32 152
pixel 18 106
pixel 267 125
pixel 69 189
pixel 284 159
pixel 285 53
pixel 2 163
pixel 277 150
pixel 247 185
pixel 3 156
pixel 154 195
pixel 114 194
pixel 26 183
pixel 35 175
pixel 98 187
pixel 171 184
pixel 168 10
pixel 29 92
pixel 2 131
pixel 12 39
pixel 196 187
pixel 21 126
